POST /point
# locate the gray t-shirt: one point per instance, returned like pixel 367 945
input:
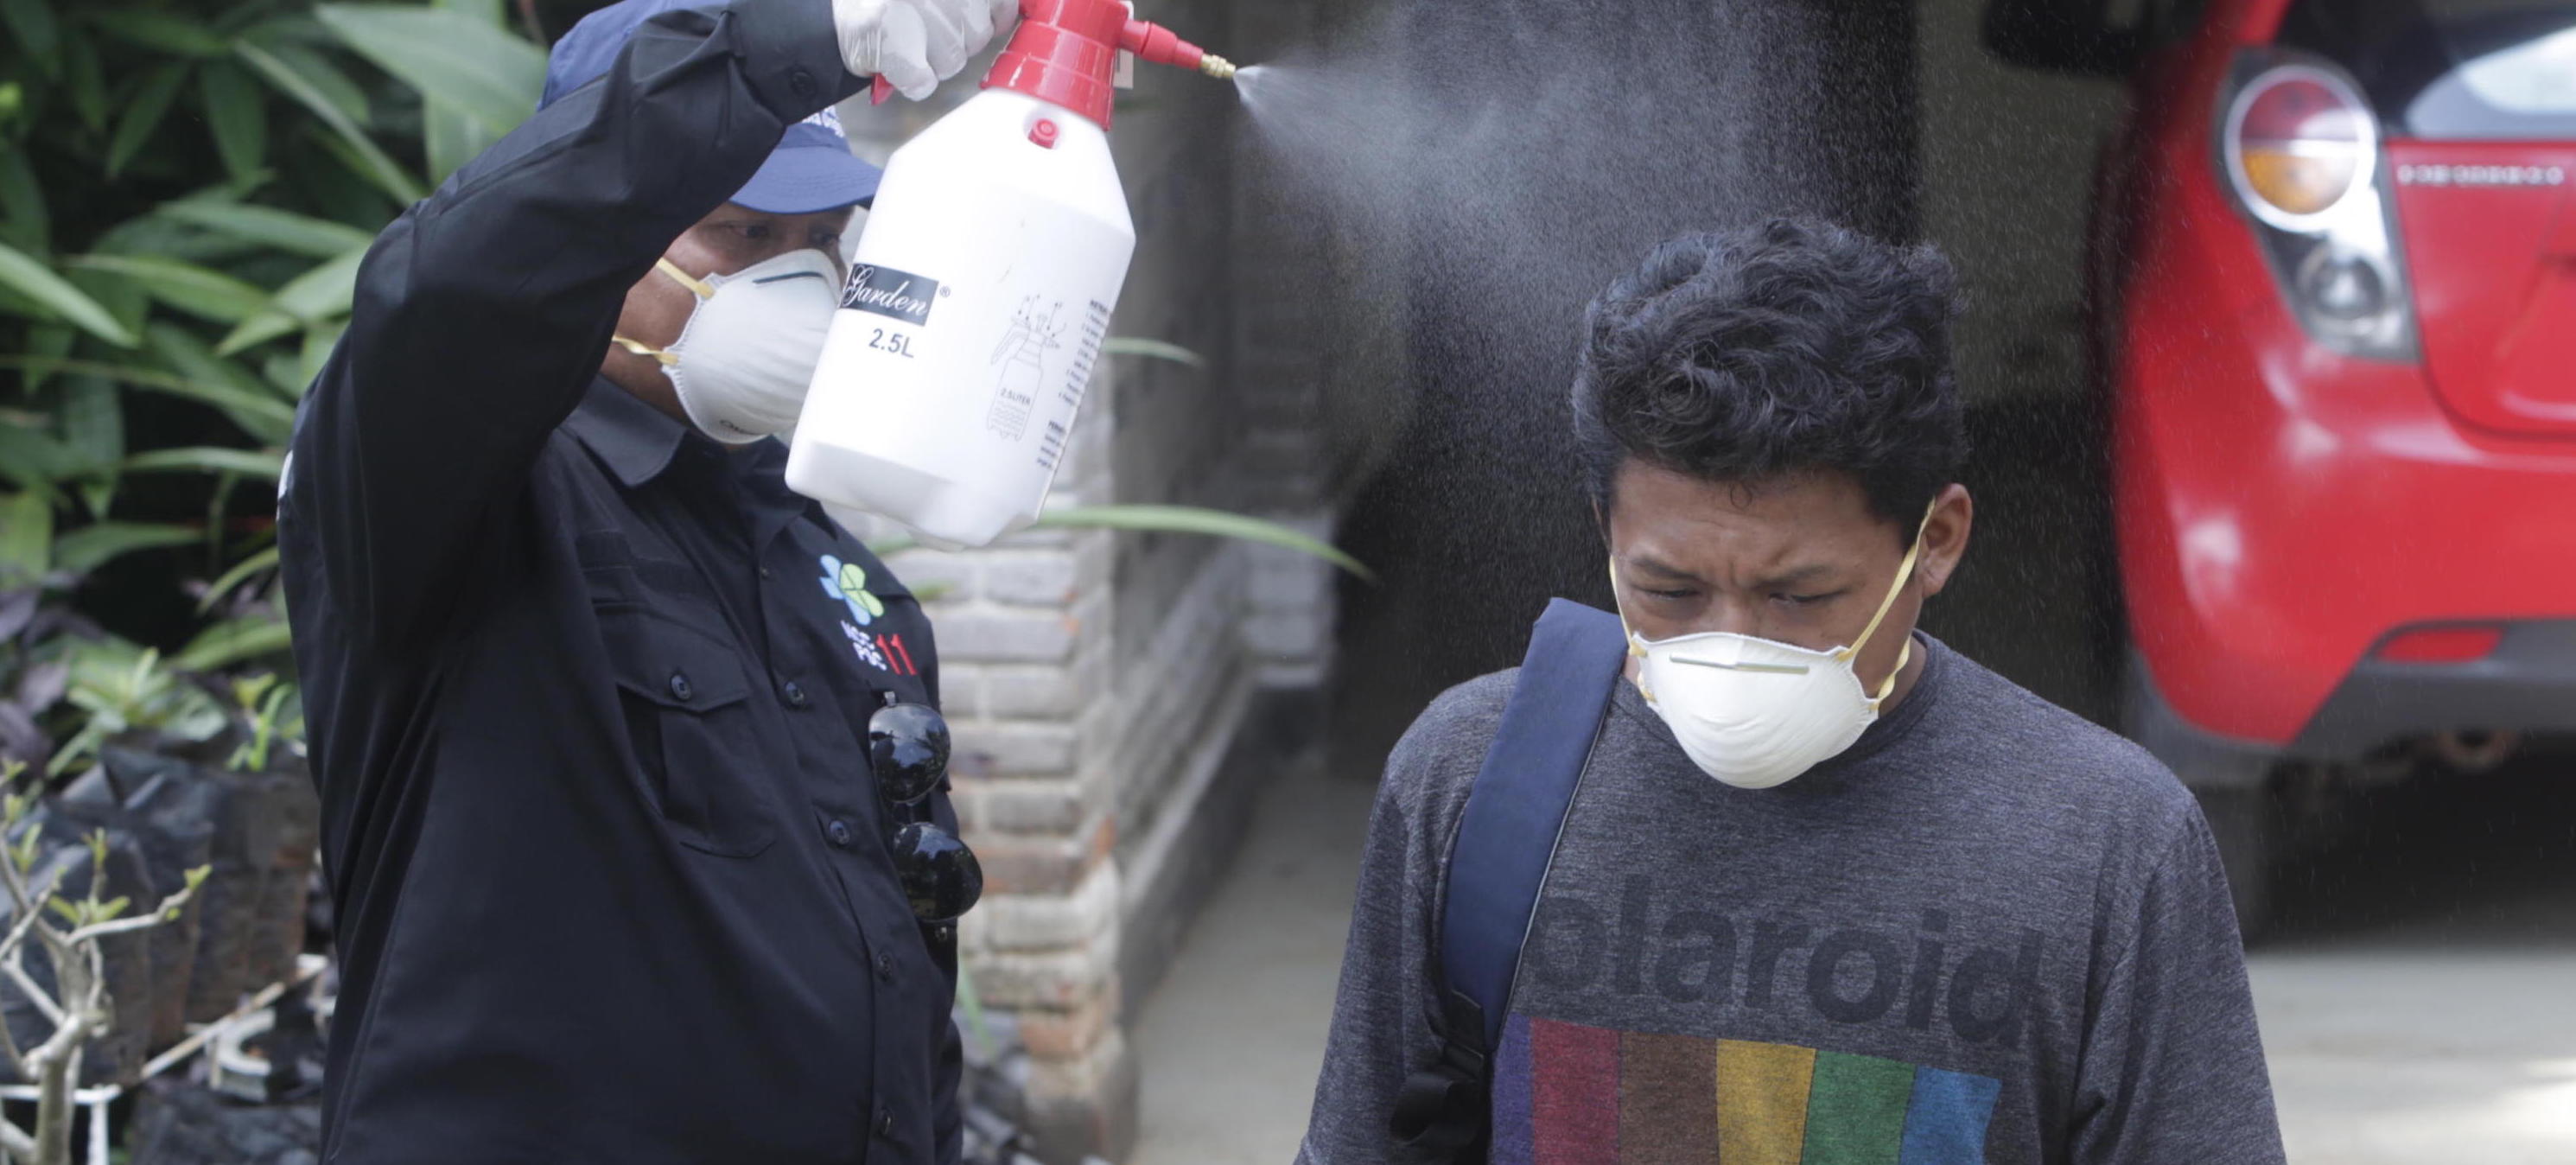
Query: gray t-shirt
pixel 1990 931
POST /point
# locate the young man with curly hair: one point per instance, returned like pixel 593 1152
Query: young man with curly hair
pixel 1826 890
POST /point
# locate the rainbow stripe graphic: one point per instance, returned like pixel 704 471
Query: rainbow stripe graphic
pixel 1567 1094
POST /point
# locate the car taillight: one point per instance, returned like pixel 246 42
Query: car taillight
pixel 2301 144
pixel 2301 153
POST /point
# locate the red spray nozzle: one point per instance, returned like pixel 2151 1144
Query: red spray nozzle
pixel 1153 42
pixel 1066 52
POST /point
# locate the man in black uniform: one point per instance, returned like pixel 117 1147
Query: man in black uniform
pixel 631 776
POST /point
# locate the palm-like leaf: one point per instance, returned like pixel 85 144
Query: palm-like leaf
pixel 1207 523
pixel 52 292
pixel 465 62
pixel 239 574
pixel 237 118
pixel 205 294
pixel 91 546
pixel 234 641
pixel 295 76
pixel 26 538
pixel 1153 349
pixel 269 227
pixel 1182 520
pixel 229 397
pixel 318 296
pixel 210 459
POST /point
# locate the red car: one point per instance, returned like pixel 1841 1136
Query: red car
pixel 2334 310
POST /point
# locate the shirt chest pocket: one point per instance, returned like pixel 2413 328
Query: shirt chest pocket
pixel 689 716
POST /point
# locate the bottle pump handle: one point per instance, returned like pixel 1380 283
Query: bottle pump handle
pixel 1060 45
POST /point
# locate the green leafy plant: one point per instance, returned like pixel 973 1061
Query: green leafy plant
pixel 33 554
pixel 123 691
pixel 1177 520
pixel 187 188
pixel 1153 350
pixel 266 704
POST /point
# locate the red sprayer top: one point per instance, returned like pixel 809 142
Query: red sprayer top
pixel 1066 52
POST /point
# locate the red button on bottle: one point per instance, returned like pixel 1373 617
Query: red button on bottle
pixel 1043 133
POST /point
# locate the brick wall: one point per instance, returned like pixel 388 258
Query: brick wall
pixel 1100 683
pixel 1027 643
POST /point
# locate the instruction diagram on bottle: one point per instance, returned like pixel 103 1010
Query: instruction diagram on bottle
pixel 1077 376
pixel 1020 366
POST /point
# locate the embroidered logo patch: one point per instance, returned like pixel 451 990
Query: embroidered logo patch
pixel 886 653
pixel 866 647
pixel 848 582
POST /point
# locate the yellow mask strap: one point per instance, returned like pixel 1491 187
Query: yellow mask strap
pixel 1622 609
pixel 1902 656
pixel 1904 572
pixel 697 287
pixel 641 348
pixel 1634 649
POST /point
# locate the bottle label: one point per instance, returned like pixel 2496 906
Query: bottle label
pixel 893 294
pixel 1028 374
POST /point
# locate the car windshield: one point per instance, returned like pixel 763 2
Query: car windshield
pixel 2452 69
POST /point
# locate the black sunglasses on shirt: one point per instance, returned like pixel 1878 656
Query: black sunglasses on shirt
pixel 908 755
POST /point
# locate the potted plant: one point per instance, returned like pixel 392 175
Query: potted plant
pixel 70 928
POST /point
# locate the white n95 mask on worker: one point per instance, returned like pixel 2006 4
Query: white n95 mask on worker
pixel 1755 713
pixel 742 363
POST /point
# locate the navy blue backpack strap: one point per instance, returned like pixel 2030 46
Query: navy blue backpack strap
pixel 1507 835
pixel 1505 841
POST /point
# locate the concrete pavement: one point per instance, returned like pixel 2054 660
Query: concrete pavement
pixel 2419 1005
pixel 1230 1043
pixel 2415 1058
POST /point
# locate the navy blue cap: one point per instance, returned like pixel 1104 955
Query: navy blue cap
pixel 812 169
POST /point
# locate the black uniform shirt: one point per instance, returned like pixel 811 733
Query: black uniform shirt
pixel 589 693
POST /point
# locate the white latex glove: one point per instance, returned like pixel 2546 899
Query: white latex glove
pixel 916 44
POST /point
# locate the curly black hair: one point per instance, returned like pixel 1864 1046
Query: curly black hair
pixel 1745 355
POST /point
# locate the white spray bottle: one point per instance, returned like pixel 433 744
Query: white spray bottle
pixel 981 289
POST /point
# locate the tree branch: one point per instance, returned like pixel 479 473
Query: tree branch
pixel 159 916
pixel 37 995
pixel 12 953
pixel 14 879
pixel 16 1142
pixel 9 1042
pixel 68 1034
pixel 27 920
pixel 54 1107
pixel 98 1006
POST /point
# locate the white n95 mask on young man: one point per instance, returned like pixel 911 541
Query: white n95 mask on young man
pixel 1755 713
pixel 743 361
